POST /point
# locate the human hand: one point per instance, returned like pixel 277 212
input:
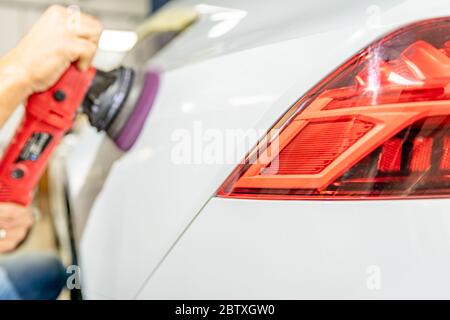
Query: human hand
pixel 53 43
pixel 15 222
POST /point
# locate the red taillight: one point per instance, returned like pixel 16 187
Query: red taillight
pixel 377 127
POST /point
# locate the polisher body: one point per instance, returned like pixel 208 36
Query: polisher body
pixel 48 116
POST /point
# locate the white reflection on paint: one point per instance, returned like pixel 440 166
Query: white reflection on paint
pixel 187 107
pixel 227 18
pixel 142 155
pixel 251 100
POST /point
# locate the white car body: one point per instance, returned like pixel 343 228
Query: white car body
pixel 156 229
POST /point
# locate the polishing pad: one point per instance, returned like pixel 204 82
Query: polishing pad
pixel 130 129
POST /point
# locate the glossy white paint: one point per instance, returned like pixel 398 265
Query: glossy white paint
pixel 311 249
pixel 176 192
pixel 246 77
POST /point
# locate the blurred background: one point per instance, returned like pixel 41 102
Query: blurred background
pixel 16 16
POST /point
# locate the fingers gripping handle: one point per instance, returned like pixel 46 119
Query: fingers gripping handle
pixel 48 116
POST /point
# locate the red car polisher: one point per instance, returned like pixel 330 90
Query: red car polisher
pixel 49 115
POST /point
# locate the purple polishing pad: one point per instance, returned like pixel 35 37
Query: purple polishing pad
pixel 133 127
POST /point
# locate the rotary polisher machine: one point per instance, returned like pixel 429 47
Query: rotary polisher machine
pixel 115 102
pixel 49 115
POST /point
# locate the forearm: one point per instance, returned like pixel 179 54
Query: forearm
pixel 14 86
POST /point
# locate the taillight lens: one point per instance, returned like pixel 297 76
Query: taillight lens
pixel 377 127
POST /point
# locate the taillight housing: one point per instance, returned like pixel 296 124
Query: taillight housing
pixel 377 127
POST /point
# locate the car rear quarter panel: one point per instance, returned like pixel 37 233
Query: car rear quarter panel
pixel 147 235
pixel 238 249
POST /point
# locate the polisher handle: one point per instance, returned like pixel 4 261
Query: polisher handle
pixel 48 116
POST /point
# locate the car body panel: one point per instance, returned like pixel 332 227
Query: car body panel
pixel 245 79
pixel 176 191
pixel 238 249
